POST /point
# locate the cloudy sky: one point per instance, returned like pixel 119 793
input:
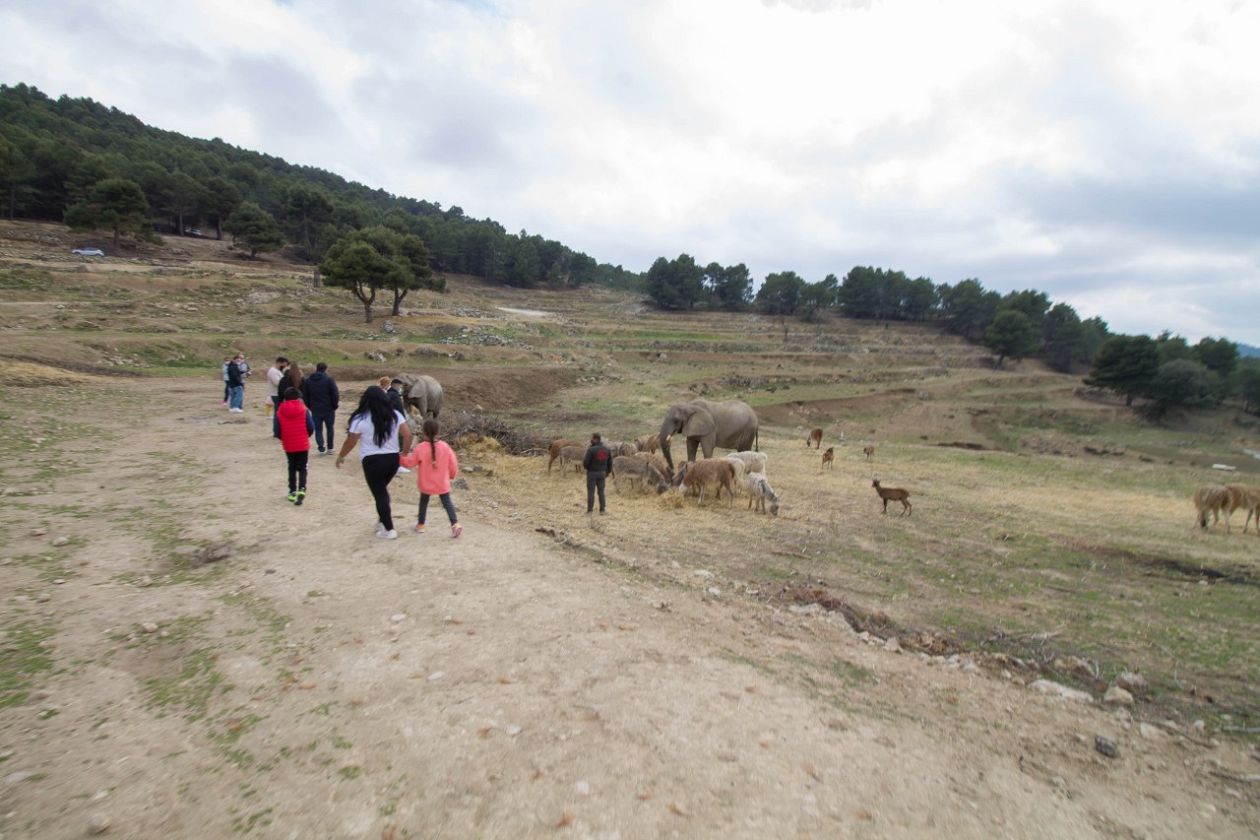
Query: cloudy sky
pixel 1107 153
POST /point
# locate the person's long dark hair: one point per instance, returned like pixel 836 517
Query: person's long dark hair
pixel 430 430
pixel 293 373
pixel 376 405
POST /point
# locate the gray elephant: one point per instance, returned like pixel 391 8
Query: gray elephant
pixel 423 393
pixel 730 425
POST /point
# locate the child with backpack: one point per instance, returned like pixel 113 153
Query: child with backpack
pixel 435 464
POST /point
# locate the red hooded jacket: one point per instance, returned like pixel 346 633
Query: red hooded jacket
pixel 296 426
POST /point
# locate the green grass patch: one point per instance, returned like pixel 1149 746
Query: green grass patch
pixel 23 658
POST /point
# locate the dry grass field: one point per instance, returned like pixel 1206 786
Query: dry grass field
pixel 1052 533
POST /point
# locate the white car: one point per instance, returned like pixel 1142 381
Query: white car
pixel 88 252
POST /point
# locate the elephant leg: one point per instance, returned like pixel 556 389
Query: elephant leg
pixel 692 446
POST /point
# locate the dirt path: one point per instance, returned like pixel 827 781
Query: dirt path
pixel 318 682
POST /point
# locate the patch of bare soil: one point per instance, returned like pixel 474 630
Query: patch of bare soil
pixel 226 663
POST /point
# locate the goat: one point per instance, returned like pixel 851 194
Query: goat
pixel 815 437
pixel 554 450
pixel 622 448
pixel 869 451
pixel 753 461
pixel 637 470
pixel 893 494
pixel 700 474
pixel 759 490
pixel 829 458
pixel 1247 497
pixel 1212 499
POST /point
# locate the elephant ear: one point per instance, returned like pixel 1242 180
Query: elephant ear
pixel 699 424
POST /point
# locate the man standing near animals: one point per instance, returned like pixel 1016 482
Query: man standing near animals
pixel 274 374
pixel 598 465
pixel 236 385
pixel 319 390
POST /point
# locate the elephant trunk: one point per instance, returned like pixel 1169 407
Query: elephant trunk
pixel 667 430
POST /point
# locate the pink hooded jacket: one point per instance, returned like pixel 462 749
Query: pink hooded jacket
pixel 432 480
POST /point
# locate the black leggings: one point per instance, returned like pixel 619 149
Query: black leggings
pixel 446 503
pixel 379 470
pixel 297 469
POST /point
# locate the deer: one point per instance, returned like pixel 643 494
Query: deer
pixel 815 437
pixel 893 494
pixel 829 458
pixel 869 451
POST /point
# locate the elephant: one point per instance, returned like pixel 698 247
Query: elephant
pixel 730 425
pixel 423 393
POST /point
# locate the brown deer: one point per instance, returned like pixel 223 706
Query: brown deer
pixel 815 437
pixel 869 451
pixel 829 458
pixel 893 494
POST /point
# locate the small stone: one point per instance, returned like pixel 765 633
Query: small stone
pixel 512 729
pixel 98 824
pixel 99 795
pixel 705 573
pixel 805 609
pixel 714 592
pixel 397 617
pixel 60 541
pixel 1106 746
pixel 1117 696
pixel 38 532
pixel 1151 732
pixel 19 776
pixel 1058 689
pixel 1199 726
pixel 149 627
pixel 892 644
pixel 1058 781
pixel 144 580
pixel 436 675
pixel 43 597
pixel 58 581
pixel 582 788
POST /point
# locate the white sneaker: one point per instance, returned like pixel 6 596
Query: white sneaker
pixel 403 470
pixel 387 535
pixel 380 528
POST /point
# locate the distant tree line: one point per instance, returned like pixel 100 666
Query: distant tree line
pixel 97 168
pixel 1165 371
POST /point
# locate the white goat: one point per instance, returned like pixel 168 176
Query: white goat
pixel 753 461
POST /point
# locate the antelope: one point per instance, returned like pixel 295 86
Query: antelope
pixel 829 458
pixel 893 494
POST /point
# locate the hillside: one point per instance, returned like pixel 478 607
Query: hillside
pixel 187 652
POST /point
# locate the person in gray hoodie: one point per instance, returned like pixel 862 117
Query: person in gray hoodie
pixel 320 393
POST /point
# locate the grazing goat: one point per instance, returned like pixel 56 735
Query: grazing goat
pixel 753 461
pixel 893 494
pixel 759 490
pixel 1212 499
pixel 622 448
pixel 634 470
pixel 829 458
pixel 707 472
pixel 556 446
pixel 869 451
pixel 815 437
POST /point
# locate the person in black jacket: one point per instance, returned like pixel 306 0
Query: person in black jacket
pixel 236 384
pixel 395 395
pixel 320 393
pixel 598 465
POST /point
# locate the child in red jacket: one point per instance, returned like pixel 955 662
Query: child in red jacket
pixel 296 426
pixel 435 464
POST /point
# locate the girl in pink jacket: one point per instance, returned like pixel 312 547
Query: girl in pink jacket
pixel 435 464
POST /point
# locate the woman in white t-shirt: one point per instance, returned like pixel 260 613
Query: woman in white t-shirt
pixel 376 427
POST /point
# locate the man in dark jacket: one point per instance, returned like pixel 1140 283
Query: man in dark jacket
pixel 598 464
pixel 319 392
pixel 236 384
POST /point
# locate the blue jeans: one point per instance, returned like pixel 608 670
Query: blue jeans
pixel 324 421
pixel 236 396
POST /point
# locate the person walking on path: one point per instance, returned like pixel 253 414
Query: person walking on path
pixel 435 464
pixel 598 465
pixel 376 427
pixel 322 397
pixel 275 373
pixel 236 385
pixel 296 425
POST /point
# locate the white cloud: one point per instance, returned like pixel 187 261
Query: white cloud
pixel 1046 144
